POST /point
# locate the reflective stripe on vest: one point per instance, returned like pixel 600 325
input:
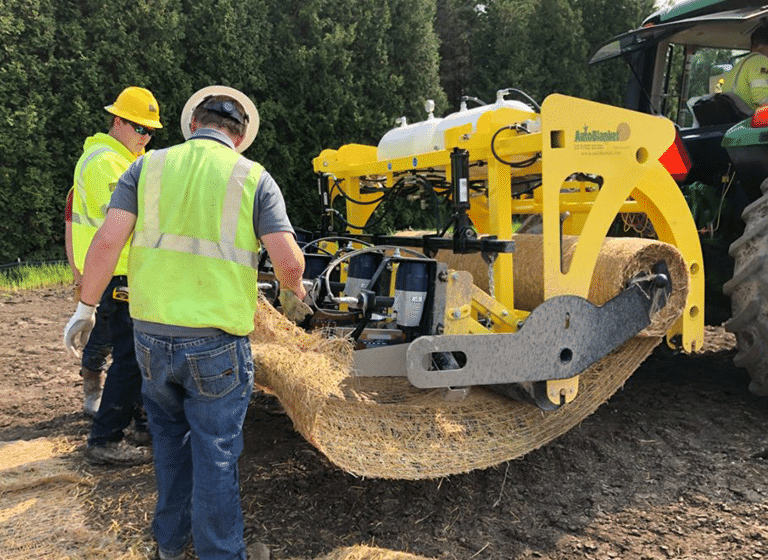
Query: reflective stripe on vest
pixel 741 80
pixel 84 218
pixel 151 237
pixel 100 166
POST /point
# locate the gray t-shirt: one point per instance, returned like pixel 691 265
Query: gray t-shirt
pixel 269 216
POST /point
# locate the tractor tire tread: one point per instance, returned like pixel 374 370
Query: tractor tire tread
pixel 748 290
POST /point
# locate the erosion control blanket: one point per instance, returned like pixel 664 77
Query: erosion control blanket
pixel 361 552
pixel 384 427
pixel 43 506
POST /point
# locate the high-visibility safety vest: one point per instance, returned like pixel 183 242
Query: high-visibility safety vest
pixel 104 159
pixel 194 256
pixel 749 80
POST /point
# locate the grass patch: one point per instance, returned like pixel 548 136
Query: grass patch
pixel 24 277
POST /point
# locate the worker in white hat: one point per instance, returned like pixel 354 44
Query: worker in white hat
pixel 198 212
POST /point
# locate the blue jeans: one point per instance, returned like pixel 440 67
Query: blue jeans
pixel 99 344
pixel 121 397
pixel 196 393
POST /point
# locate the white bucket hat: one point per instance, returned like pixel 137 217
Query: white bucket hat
pixel 252 128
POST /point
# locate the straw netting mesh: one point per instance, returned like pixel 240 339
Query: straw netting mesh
pixel 43 506
pixel 384 427
pixel 619 260
pixel 369 553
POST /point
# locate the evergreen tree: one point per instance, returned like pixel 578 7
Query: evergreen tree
pixel 102 48
pixel 415 56
pixel 543 46
pixel 322 74
pixel 502 48
pixel 225 45
pixel 62 63
pixel 602 20
pixel 311 98
pixel 27 188
pixel 340 72
pixel 454 24
pixel 559 50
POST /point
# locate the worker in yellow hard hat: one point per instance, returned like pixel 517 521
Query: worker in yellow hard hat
pixel 115 401
pixel 198 213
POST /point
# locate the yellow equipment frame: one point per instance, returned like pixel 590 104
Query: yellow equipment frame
pixel 574 136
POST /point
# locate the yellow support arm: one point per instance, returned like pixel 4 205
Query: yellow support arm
pixel 623 147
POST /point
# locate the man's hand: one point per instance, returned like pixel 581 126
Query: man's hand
pixel 293 308
pixel 79 327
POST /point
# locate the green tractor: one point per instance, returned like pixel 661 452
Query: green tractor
pixel 678 58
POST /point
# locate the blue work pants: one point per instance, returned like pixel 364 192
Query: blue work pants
pixel 121 397
pixel 196 392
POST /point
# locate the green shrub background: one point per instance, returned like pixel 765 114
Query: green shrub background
pixel 322 74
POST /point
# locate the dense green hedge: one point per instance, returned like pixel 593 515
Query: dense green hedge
pixel 322 74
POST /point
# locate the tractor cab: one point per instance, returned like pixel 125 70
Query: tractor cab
pixel 679 58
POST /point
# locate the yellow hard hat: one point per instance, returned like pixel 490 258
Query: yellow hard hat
pixel 137 105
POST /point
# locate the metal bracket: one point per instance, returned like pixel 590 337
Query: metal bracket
pixel 560 339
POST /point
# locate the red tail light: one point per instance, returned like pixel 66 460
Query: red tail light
pixel 760 118
pixel 676 159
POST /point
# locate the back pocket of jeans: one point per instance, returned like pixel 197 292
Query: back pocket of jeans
pixel 143 359
pixel 215 372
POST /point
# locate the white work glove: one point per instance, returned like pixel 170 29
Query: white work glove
pixel 293 308
pixel 79 327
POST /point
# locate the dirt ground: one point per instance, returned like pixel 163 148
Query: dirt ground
pixel 675 465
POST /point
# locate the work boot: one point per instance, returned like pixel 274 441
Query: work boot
pixel 141 438
pixel 93 384
pixel 120 454
pixel 257 551
pixel 162 556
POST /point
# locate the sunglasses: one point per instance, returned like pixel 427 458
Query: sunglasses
pixel 141 130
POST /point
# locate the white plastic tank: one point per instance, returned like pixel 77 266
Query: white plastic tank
pixel 466 116
pixel 410 139
pixel 429 135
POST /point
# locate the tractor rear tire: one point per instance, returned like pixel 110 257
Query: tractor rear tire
pixel 748 290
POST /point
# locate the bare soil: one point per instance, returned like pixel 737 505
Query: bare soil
pixel 675 465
